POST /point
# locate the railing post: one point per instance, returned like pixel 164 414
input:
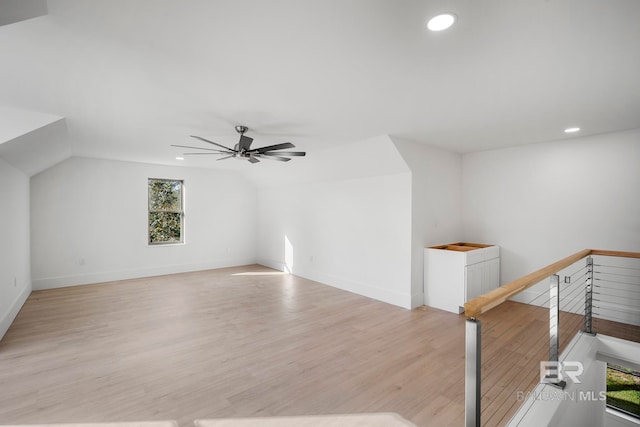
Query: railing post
pixel 554 333
pixel 588 298
pixel 554 317
pixel 473 365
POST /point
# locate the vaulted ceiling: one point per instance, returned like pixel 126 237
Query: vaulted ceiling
pixel 131 77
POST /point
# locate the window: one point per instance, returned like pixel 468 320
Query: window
pixel 623 390
pixel 166 214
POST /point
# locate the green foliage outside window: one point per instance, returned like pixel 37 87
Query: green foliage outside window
pixel 623 389
pixel 165 211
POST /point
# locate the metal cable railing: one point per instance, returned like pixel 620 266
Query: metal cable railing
pixel 564 293
pixel 590 291
pixel 616 298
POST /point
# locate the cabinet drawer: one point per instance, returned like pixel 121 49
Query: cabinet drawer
pixel 475 256
pixel 491 252
pixel 480 255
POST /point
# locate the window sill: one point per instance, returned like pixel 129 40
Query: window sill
pixel 626 419
pixel 164 245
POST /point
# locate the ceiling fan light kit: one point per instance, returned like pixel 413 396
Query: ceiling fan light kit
pixel 243 150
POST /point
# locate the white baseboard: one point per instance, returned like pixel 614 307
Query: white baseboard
pixel 7 319
pixel 356 287
pixel 364 289
pixel 417 299
pixel 530 297
pixel 110 276
pixel 272 263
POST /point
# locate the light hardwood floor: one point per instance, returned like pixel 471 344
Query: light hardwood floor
pixel 250 341
pixel 515 339
pixel 226 343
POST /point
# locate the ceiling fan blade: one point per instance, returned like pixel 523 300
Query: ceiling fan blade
pixel 197 148
pixel 245 143
pixel 273 147
pixel 226 157
pixel 273 157
pixel 217 154
pixel 211 142
pixel 253 160
pixel 285 153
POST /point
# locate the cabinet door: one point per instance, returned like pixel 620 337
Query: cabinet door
pixel 474 278
pixel 491 277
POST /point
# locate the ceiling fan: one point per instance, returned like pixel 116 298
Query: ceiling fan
pixel 243 150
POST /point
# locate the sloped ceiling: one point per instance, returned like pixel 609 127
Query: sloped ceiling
pixel 32 141
pixel 39 149
pixel 12 11
pixel 371 157
pixel 133 77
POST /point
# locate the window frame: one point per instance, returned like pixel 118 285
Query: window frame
pixel 616 410
pixel 181 213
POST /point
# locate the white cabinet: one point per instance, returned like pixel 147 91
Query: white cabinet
pixel 491 274
pixel 459 272
pixel 474 279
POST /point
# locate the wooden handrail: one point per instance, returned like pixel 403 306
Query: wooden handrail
pixel 486 302
pixel 615 253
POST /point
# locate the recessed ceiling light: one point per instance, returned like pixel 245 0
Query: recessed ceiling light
pixel 572 130
pixel 179 158
pixel 441 22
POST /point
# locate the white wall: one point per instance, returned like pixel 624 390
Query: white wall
pixel 543 202
pixel 436 217
pixel 348 223
pixel 352 234
pixel 15 267
pixel 89 222
pixel 351 218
